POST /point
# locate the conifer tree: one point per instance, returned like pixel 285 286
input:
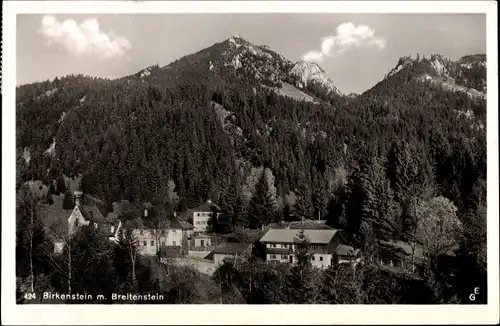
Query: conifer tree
pixel 303 206
pixel 261 208
pixel 60 185
pixel 302 280
pixel 240 213
pixel 68 201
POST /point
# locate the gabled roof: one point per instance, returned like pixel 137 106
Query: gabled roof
pixel 180 224
pixel 307 224
pixel 232 248
pixel 208 206
pixel 346 251
pixel 91 213
pixel 400 248
pixel 289 235
pixel 169 223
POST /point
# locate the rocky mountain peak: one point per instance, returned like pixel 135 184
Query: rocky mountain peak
pixel 310 74
pixel 467 74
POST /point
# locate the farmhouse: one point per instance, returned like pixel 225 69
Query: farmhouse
pixel 281 245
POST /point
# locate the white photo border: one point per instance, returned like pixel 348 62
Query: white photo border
pixel 13 314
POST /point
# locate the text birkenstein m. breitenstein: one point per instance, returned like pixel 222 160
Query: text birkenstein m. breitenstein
pixel 114 296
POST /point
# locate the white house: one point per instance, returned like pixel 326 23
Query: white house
pixel 281 245
pixel 203 241
pixel 202 214
pixel 169 233
pixel 150 240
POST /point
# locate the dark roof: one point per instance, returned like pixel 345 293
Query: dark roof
pixel 306 224
pixel 169 223
pixel 290 235
pixel 180 224
pixel 92 213
pixel 186 224
pixel 399 248
pixel 347 251
pixel 232 248
pixel 206 207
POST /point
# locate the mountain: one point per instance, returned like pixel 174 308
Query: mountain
pixel 213 122
pixel 443 77
pixel 257 64
pixel 467 74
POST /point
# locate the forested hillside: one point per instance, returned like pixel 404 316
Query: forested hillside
pixel 208 121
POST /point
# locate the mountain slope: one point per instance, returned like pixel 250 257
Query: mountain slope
pixel 236 58
pixel 213 120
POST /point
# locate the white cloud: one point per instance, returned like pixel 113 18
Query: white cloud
pixel 83 38
pixel 347 37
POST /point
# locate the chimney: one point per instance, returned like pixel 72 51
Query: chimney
pixel 145 212
pixel 78 198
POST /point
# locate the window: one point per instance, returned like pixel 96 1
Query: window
pixel 313 258
pixel 145 243
pixel 273 256
pixel 283 257
pixel 141 232
pixel 320 258
pixel 152 243
pixel 173 243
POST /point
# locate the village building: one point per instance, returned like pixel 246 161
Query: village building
pixel 201 215
pixel 398 256
pixel 203 241
pixel 170 232
pixel 281 245
pixel 84 216
pixel 230 251
pixel 347 255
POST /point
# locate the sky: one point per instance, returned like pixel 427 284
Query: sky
pixel 355 50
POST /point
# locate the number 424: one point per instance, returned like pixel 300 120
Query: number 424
pixel 30 296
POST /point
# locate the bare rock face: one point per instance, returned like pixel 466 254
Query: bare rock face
pixel 310 74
